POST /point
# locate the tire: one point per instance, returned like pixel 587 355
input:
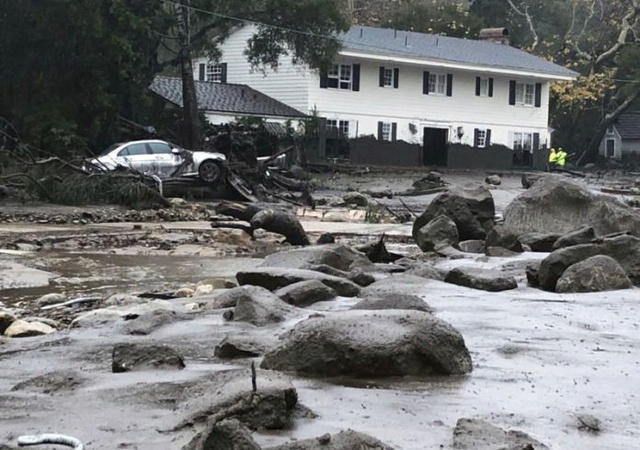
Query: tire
pixel 210 171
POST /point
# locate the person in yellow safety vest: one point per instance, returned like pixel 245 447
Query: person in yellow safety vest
pixel 561 158
pixel 553 159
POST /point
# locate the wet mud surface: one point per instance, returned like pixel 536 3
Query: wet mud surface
pixel 540 359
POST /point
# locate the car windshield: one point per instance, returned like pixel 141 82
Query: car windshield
pixel 110 149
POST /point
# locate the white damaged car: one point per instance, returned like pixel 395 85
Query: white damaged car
pixel 161 158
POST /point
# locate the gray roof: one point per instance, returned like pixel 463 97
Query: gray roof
pixel 628 125
pixel 389 42
pixel 224 98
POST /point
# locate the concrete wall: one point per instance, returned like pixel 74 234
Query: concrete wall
pixel 370 151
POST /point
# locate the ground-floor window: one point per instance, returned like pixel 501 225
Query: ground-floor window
pixel 481 137
pixel 386 131
pixel 523 141
pixel 341 125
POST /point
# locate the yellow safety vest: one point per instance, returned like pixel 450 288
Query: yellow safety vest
pixel 561 158
pixel 553 157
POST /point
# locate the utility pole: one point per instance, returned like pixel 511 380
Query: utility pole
pixel 191 120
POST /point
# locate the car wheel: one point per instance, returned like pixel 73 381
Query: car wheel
pixel 210 171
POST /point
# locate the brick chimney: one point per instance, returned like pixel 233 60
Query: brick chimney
pixel 499 35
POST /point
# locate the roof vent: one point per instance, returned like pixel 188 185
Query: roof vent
pixel 499 35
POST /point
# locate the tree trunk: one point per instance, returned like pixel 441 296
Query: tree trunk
pixel 591 151
pixel 191 120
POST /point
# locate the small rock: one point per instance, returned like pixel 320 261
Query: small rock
pixel 51 299
pixel 229 434
pixel 326 238
pixel 493 180
pixel 235 347
pixel 203 289
pixel 192 306
pixel 472 246
pixel 184 292
pixel 305 293
pixel 22 328
pixel 176 201
pixel 434 177
pixel 481 279
pixel 587 422
pixel 532 274
pixel 437 232
pixel 134 357
pixel 123 300
pixel 355 198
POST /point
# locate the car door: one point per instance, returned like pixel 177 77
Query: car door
pixel 165 160
pixel 135 156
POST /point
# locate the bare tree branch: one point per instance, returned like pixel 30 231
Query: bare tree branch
pixel 627 25
pixel 527 16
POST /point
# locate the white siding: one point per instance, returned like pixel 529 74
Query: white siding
pixel 288 84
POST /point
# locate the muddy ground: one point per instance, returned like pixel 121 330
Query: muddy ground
pixel 540 359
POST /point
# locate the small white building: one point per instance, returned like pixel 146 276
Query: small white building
pixel 622 137
pixel 423 89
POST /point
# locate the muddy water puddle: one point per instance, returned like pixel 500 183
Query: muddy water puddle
pixel 76 274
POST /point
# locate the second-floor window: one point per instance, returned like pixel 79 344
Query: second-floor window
pixel 524 94
pixel 484 87
pixel 213 73
pixel 339 76
pixel 437 84
pixel 389 77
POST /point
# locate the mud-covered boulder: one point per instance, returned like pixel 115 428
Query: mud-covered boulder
pixel 238 346
pixel 529 178
pixel 428 271
pixel 149 321
pixel 337 256
pixel 305 293
pixel 531 271
pixel 273 278
pixel 392 301
pixel 595 274
pixel 556 205
pixel 482 279
pixel 501 236
pixel 476 434
pixel 403 283
pixel 344 440
pixel 539 242
pixel 259 306
pixel 472 210
pixel 372 344
pixel 134 357
pixel 354 198
pixel 493 180
pixel 625 249
pixel 581 235
pixel 440 231
pixel 6 319
pixel 228 434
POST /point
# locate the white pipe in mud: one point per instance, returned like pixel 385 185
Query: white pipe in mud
pixel 50 438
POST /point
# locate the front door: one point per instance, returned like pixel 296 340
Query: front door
pixel 434 149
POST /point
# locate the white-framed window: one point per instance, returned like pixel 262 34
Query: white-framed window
pixel 484 87
pixel 213 73
pixel 481 137
pixel 437 84
pixel 610 130
pixel 523 141
pixel 341 125
pixel 525 94
pixel 387 77
pixel 339 76
pixel 386 131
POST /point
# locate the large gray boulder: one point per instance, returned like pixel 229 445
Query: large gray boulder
pixel 501 236
pixel 555 205
pixel 582 235
pixel 258 306
pixel 134 357
pixel 439 232
pixel 229 434
pixel 345 440
pixel 625 249
pixel 306 293
pixel 273 278
pixel 393 301
pixel 372 344
pixel 337 256
pixel 485 280
pixel 595 274
pixel 472 210
pixel 476 434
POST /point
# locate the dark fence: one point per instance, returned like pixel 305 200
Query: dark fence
pixel 370 151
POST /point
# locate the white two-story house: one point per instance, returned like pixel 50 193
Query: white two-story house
pixel 431 91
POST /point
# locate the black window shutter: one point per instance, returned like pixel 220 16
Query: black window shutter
pixel 477 86
pixel 394 131
pixel 538 95
pixel 490 87
pixel 355 83
pixel 324 78
pixel 512 92
pixel 487 138
pixel 476 132
pixel 396 76
pixel 201 75
pixel 379 131
pixel 425 83
pixel 449 85
pixel 381 77
pixel 223 72
pixel 536 141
